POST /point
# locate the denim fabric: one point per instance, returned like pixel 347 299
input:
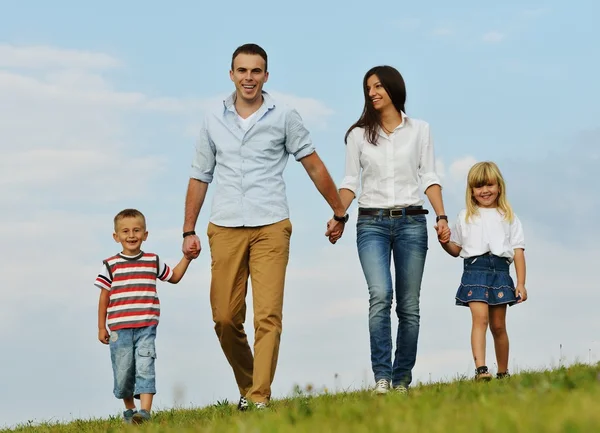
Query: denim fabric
pixel 132 353
pixel 378 239
pixel 486 278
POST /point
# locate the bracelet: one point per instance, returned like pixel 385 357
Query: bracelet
pixel 441 217
pixel 190 233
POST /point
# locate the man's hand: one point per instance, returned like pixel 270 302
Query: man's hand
pixel 191 247
pixel 335 229
pixel 443 231
pixel 103 335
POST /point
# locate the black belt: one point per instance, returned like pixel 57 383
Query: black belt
pixel 393 213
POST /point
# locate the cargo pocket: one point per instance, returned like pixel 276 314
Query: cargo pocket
pixel 145 360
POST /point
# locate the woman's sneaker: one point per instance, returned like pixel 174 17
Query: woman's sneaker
pixel 482 374
pixel 401 389
pixel 382 386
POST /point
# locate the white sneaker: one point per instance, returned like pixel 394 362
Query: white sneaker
pixel 401 389
pixel 382 386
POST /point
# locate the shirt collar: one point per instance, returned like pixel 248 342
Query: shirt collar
pixel 229 102
pixel 405 119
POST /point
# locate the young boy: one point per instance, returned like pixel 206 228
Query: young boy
pixel 129 301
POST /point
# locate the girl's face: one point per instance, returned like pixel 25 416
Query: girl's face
pixel 487 195
pixel 379 97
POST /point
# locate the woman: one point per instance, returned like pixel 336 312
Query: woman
pixel 392 156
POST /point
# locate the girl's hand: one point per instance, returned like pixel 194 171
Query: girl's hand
pixel 521 291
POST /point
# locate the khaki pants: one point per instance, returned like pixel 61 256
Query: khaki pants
pixel 261 253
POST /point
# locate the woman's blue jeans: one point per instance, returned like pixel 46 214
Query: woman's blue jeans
pixel 405 239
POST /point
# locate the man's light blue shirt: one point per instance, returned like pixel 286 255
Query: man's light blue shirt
pixel 248 165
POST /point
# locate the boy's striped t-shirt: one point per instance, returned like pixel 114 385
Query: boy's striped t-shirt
pixel 133 301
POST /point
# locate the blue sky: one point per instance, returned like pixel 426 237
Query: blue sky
pixel 99 108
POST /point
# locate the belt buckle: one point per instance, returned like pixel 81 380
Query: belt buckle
pixel 396 213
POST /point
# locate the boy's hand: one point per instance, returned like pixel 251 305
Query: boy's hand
pixel 521 291
pixel 103 336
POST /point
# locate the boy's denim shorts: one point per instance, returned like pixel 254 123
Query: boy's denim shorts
pixel 132 353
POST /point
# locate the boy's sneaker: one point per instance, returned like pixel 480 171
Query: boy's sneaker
pixel 260 405
pixel 401 389
pixel 242 404
pixel 504 375
pixel 141 416
pixel 482 374
pixel 128 416
pixel 382 386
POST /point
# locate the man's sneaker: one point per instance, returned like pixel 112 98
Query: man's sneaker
pixel 141 416
pixel 482 374
pixel 504 375
pixel 382 386
pixel 128 416
pixel 401 389
pixel 242 404
pixel 260 405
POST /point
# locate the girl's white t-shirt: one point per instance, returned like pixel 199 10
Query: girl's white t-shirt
pixel 487 232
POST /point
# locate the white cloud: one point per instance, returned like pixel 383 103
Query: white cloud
pixel 460 168
pixel 43 57
pixel 443 32
pixel 312 110
pixel 493 37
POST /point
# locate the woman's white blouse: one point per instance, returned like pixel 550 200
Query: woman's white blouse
pixel 392 172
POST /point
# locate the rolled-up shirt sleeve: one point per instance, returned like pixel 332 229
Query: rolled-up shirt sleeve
pixel 427 173
pixel 297 137
pixel 203 164
pixel 351 179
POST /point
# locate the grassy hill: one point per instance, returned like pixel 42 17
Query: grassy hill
pixel 562 400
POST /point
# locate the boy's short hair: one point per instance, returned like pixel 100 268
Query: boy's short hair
pixel 129 213
pixel 250 49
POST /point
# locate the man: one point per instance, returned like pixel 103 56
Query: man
pixel 248 141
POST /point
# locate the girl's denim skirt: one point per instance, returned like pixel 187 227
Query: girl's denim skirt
pixel 486 279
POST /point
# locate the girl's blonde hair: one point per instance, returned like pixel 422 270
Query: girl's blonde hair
pixel 486 173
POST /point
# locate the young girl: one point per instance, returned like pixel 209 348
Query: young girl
pixel 489 237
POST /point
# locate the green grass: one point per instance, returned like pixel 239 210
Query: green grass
pixel 563 400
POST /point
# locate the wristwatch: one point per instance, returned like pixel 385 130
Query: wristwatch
pixel 441 217
pixel 186 234
pixel 342 219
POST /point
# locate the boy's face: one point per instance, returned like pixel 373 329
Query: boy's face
pixel 130 232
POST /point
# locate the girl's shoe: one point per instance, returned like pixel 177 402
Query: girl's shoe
pixel 482 374
pixel 504 375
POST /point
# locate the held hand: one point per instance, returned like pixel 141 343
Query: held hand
pixel 443 231
pixel 521 292
pixel 335 229
pixel 191 247
pixel 103 336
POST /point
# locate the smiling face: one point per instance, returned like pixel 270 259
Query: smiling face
pixel 130 232
pixel 249 75
pixel 486 195
pixel 377 94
